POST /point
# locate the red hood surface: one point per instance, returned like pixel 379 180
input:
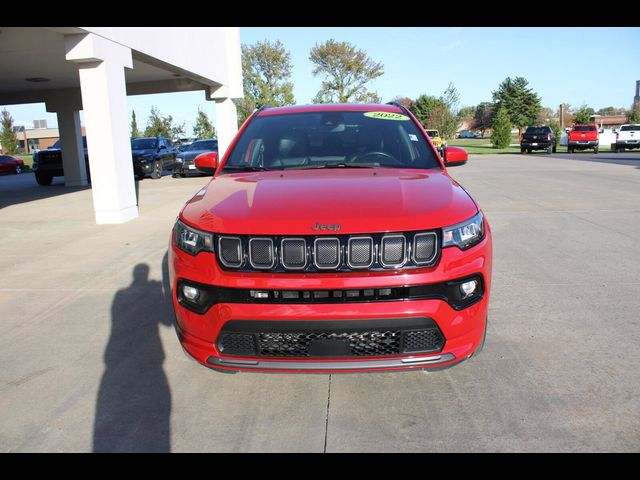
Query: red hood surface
pixel 359 200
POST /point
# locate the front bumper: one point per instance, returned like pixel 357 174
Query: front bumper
pixel 462 329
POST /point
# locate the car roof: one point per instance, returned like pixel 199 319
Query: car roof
pixel 330 107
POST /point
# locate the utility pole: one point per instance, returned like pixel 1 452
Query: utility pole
pixel 562 117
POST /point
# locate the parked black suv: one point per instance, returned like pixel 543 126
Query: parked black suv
pixel 538 138
pixel 48 163
pixel 152 155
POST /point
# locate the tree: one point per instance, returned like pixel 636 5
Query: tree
pixel 266 72
pixel 521 102
pixel 423 106
pixel 633 116
pixel 406 102
pixel 346 71
pixel 583 114
pixel 483 116
pixel 555 127
pixel 8 137
pixel 501 135
pixel 203 127
pixel 611 111
pixel 135 133
pixel 438 113
pixel 545 115
pixel 158 125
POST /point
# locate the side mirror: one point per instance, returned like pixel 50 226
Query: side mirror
pixel 207 162
pixel 454 156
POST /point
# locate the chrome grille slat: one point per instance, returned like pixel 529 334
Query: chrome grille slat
pixel 293 253
pixel 393 251
pixel 327 253
pixel 261 254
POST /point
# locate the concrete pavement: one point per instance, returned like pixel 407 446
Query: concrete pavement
pixel 90 360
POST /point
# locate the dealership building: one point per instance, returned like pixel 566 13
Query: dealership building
pixel 94 69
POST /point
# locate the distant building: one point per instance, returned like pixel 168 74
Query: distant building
pixel 33 139
pixel 609 121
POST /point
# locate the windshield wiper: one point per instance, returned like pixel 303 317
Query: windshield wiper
pixel 336 165
pixel 244 168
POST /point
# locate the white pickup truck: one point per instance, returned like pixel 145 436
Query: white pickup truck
pixel 627 138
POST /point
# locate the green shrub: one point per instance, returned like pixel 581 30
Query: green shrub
pixel 501 135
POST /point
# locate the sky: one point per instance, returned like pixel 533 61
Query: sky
pixel 595 66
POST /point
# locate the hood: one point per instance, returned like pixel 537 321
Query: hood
pixel 144 151
pixel 359 200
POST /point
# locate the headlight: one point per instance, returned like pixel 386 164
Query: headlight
pixel 191 240
pixel 465 234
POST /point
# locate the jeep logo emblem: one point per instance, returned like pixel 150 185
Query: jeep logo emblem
pixel 326 226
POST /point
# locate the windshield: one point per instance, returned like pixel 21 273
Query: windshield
pixel 202 145
pixel 627 128
pixel 584 128
pixel 143 143
pixel 347 139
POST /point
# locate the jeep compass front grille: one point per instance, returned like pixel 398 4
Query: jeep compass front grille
pixel 381 251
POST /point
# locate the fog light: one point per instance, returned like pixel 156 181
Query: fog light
pixel 468 288
pixel 190 293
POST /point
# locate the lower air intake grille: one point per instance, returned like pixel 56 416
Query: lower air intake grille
pixel 237 344
pixel 327 339
pixel 359 344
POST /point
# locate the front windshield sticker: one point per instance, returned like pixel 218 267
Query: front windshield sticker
pixel 386 116
pixel 413 137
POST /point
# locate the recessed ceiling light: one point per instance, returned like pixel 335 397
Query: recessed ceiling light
pixel 37 79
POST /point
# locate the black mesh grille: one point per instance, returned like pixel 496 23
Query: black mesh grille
pixel 360 252
pixel 327 252
pixel 237 344
pixel 261 252
pixel 230 251
pixel 332 338
pixel 360 343
pixel 393 250
pixel 294 253
pixel 424 247
pixel 428 340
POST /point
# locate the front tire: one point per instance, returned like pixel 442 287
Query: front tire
pixel 595 150
pixel 550 150
pixel 157 170
pixel 44 179
pixel 522 150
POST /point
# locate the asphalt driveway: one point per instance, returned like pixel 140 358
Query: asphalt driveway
pixel 91 362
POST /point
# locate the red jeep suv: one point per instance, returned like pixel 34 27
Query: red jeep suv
pixel 331 239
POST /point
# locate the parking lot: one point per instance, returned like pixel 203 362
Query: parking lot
pixel 91 362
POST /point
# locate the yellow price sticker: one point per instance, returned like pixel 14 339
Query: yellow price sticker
pixel 386 116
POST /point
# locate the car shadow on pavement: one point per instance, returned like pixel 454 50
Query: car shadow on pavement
pixel 16 189
pixel 133 406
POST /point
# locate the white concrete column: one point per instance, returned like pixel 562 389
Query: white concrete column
pixel 101 67
pixel 226 123
pixel 75 170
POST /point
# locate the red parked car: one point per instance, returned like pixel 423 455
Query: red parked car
pixel 582 137
pixel 11 164
pixel 331 239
